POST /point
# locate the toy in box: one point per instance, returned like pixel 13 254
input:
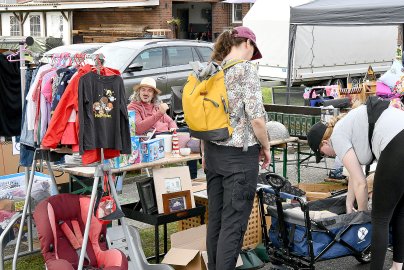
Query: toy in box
pixel 152 150
pixel 127 160
pixel 134 157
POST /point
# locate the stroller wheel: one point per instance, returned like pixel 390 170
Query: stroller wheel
pixel 365 256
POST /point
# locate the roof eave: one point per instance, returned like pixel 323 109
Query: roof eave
pixel 76 5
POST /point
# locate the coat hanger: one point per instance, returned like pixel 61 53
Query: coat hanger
pixel 99 59
pixel 7 53
pixel 18 53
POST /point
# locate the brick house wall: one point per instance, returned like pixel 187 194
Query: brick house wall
pixel 155 17
pixel 222 17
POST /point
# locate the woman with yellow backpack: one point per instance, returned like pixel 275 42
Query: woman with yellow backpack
pixel 232 171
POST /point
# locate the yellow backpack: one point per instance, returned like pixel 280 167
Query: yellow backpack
pixel 205 104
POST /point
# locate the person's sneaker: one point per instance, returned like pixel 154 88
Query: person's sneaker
pixel 336 174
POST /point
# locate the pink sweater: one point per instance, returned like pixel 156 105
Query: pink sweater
pixel 148 116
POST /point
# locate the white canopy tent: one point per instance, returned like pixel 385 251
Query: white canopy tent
pixel 323 49
pixel 342 13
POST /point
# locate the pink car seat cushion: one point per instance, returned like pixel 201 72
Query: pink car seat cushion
pixel 56 248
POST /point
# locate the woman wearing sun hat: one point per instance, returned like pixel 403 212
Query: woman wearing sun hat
pixel 150 113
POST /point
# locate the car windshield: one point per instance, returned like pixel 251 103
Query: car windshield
pixel 116 57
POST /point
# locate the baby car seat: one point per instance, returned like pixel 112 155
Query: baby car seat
pixel 51 217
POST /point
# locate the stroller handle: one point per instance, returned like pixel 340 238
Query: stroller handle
pixel 283 195
pixel 275 180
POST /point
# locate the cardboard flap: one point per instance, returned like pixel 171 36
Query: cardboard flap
pixel 178 256
pixel 194 238
pixel 198 186
pixel 204 255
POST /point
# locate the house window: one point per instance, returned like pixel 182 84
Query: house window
pixel 14 26
pixel 237 14
pixel 35 25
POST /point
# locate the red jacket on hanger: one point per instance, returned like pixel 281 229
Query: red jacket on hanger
pixel 59 125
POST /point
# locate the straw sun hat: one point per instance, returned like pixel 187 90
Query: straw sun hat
pixel 149 82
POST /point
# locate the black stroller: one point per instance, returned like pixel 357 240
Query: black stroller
pixel 297 239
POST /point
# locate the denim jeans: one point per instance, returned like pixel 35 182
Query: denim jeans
pixel 27 145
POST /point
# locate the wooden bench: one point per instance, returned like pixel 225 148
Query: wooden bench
pixel 106 39
pixel 110 32
pixel 158 32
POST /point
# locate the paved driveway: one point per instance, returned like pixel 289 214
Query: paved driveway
pixel 345 263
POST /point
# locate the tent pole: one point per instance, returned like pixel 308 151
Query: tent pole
pixel 292 39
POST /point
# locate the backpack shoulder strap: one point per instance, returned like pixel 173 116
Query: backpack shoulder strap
pixel 375 107
pixel 232 62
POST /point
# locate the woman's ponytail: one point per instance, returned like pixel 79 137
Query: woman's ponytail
pixel 331 124
pixel 224 43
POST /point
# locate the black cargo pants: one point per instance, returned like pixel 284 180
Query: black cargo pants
pixel 232 179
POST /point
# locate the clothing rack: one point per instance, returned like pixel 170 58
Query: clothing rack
pixel 55 58
pixel 101 170
pixel 22 41
pixel 39 154
pixel 99 174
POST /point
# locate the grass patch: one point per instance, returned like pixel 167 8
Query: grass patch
pixel 36 262
pixel 267 94
pixel 31 262
pixel 147 236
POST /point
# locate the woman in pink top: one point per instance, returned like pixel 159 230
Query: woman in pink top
pixel 150 113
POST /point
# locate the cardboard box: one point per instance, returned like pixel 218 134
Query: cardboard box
pixel 152 150
pixel 320 191
pixel 11 162
pixel 14 186
pixel 188 250
pixel 61 178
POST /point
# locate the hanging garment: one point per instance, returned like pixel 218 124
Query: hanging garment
pixel 103 116
pixel 33 96
pixel 26 140
pixel 63 80
pixel 67 103
pixel 10 98
pixel 45 103
pixel 60 127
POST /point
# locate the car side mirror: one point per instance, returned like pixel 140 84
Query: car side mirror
pixel 134 67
